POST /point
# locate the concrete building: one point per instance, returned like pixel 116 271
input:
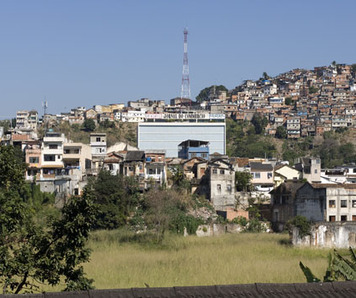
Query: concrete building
pixel 98 149
pixel 168 135
pixel 222 185
pixel 310 168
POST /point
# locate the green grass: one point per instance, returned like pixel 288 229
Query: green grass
pixel 121 260
pixel 228 259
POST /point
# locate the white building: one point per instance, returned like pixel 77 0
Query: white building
pixel 168 135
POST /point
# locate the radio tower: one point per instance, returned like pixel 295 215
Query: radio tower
pixel 185 90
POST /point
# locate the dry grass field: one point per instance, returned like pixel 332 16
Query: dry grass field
pixel 228 259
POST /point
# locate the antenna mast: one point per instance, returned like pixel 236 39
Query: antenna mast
pixel 185 90
pixel 45 106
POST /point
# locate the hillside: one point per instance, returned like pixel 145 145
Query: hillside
pixel 116 132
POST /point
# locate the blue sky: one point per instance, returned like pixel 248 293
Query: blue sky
pixel 84 52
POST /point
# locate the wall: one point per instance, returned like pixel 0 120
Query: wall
pixel 327 235
pixel 168 135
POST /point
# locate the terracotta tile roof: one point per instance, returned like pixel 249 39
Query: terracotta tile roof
pixel 16 137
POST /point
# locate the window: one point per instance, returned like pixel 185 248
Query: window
pixel 49 157
pixel 332 204
pixel 343 217
pixel 222 172
pixel 256 175
pixel 269 175
pixel 53 146
pixel 219 188
pixel 353 203
pixel 34 160
pixel 332 218
pixel 343 203
pixel 215 171
pixel 353 217
pixel 229 189
pixel 158 171
pixel 151 172
pixel 316 171
pixel 66 151
pixel 98 139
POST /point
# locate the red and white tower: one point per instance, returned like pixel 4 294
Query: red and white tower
pixel 185 89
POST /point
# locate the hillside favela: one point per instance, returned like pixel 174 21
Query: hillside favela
pixel 236 178
pixel 271 160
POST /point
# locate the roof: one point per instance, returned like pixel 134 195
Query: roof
pixel 310 290
pixel 261 167
pixel 329 185
pixel 135 155
pixel 288 187
pixel 240 161
pixel 16 137
pixel 193 143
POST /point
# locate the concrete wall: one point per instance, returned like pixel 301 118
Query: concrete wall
pixel 327 235
pixel 310 202
pixel 218 229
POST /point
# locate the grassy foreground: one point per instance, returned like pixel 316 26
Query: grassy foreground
pixel 228 259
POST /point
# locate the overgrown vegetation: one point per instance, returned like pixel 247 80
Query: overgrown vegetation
pixel 120 260
pixel 333 148
pixel 339 268
pixel 49 250
pixel 242 140
pixel 301 223
pixel 116 132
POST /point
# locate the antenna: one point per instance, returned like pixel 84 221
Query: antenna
pixel 45 106
pixel 185 89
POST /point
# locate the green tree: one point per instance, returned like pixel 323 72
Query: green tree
pixel 206 93
pixel 288 101
pixel 33 250
pixel 167 210
pixel 265 76
pixel 115 196
pixel 243 181
pixel 281 132
pixel 259 122
pixel 89 125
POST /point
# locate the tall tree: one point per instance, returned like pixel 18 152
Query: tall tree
pixel 33 250
pixel 259 122
pixel 115 196
pixel 89 125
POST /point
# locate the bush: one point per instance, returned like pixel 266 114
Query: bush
pixel 301 223
pixel 240 220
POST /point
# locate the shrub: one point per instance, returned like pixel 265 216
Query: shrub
pixel 300 222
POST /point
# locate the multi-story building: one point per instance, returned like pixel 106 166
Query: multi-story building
pixel 52 154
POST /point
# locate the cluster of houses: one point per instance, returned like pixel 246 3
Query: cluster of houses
pixel 63 167
pixel 304 102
